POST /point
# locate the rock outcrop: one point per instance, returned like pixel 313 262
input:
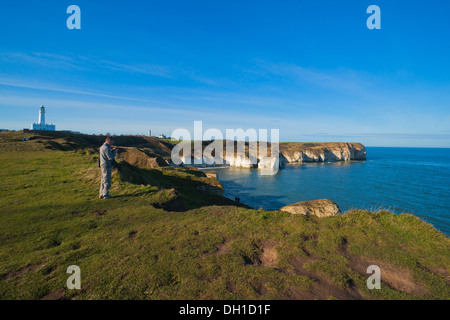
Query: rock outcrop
pixel 320 208
pixel 141 158
pixel 295 152
pixel 211 174
pixel 269 163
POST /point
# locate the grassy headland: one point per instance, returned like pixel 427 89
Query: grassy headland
pixel 167 234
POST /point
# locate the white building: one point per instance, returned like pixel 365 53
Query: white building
pixel 41 124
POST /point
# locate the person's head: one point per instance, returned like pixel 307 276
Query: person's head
pixel 109 140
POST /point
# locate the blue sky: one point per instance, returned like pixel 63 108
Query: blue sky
pixel 309 68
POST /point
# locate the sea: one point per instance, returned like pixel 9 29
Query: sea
pixel 402 180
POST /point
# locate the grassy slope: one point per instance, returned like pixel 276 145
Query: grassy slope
pixel 128 249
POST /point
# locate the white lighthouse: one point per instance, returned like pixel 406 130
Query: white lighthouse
pixel 41 126
pixel 41 115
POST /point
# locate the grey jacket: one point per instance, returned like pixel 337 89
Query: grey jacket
pixel 106 155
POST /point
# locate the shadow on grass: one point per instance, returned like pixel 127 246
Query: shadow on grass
pixel 186 184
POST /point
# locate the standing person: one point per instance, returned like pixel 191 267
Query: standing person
pixel 107 155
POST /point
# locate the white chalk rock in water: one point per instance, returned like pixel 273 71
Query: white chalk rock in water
pixel 269 163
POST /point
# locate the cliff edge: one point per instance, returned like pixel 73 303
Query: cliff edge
pixel 297 152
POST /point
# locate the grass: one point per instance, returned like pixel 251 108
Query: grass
pixel 134 247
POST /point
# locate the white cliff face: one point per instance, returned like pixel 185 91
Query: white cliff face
pixel 321 152
pixel 295 153
pixel 358 153
pixel 240 161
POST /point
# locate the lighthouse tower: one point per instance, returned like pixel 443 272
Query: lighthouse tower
pixel 41 126
pixel 42 115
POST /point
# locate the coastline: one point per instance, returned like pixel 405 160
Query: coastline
pixel 165 232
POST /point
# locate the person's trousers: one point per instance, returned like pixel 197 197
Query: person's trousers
pixel 106 181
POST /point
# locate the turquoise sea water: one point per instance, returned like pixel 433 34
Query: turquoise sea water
pixel 414 180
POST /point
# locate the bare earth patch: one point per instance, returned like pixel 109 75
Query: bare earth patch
pixel 99 212
pixel 269 256
pixel 30 268
pixel 222 248
pixel 400 279
pixel 443 273
pixel 440 271
pixel 397 278
pixel 55 295
pixel 322 289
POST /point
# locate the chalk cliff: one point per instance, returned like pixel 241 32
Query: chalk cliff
pixel 296 152
pixel 289 152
